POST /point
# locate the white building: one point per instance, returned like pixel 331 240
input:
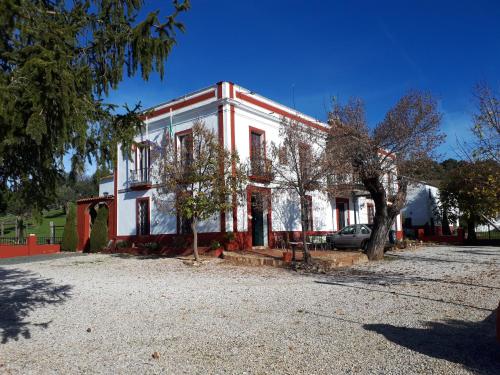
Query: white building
pixel 242 119
pixel 422 208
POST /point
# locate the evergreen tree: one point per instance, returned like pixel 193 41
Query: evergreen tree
pixel 58 61
pixel 473 188
pixel 70 235
pixel 99 233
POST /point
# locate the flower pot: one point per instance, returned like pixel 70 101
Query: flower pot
pixel 287 256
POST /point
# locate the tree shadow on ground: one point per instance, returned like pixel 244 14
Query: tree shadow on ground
pixel 21 293
pixel 481 251
pixel 437 259
pixel 386 278
pixel 471 344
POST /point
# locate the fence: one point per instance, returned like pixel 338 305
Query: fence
pixel 12 241
pixel 491 234
pixel 26 247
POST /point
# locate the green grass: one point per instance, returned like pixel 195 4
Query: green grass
pixel 493 234
pixel 40 229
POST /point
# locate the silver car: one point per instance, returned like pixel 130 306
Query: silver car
pixel 354 236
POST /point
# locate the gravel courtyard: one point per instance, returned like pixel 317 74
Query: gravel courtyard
pixel 428 311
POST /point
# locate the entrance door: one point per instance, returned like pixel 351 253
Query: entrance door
pixel 341 214
pixel 257 219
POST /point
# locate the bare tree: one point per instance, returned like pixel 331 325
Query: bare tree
pixel 298 165
pixel 486 126
pixel 198 178
pixel 385 158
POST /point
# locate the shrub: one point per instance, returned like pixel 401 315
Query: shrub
pixel 99 234
pixel 152 246
pixel 179 242
pixel 122 244
pixel 229 236
pixel 70 235
pixel 214 245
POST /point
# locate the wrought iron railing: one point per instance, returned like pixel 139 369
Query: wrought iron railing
pixel 12 241
pixel 140 176
pixel 48 240
pixel 260 168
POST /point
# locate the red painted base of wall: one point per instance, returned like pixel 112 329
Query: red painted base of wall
pixel 31 248
pixel 182 244
pixel 457 240
pixel 165 251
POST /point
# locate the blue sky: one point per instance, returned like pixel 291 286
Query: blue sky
pixel 376 50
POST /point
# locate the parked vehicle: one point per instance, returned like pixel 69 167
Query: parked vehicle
pixel 355 237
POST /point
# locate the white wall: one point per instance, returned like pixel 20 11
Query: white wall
pixel 420 204
pixel 160 220
pixel 106 186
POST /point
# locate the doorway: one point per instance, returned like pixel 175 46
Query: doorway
pixel 342 208
pixel 257 207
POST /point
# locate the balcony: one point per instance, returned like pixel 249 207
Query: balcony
pixel 140 178
pixel 260 170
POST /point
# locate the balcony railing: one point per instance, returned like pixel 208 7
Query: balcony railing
pixel 140 177
pixel 260 169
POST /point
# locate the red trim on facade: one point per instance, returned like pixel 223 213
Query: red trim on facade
pixel 219 90
pixel 266 192
pixel 137 202
pixel 346 201
pixel 233 164
pixel 183 132
pixel 279 111
pixel 83 219
pixel 220 123
pixel 179 134
pixel 185 103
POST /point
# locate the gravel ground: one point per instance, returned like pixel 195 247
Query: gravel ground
pixel 428 311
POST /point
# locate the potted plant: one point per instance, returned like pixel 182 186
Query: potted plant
pixel 287 256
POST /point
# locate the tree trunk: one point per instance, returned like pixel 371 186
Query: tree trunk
pixel 307 255
pixel 381 225
pixel 471 229
pixel 445 224
pixel 194 229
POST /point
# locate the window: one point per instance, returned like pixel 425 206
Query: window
pixel 309 213
pixel 142 163
pixel 304 157
pixel 142 216
pixel 365 230
pixel 349 230
pixel 257 152
pixel 282 155
pixel 186 149
pixel 183 225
